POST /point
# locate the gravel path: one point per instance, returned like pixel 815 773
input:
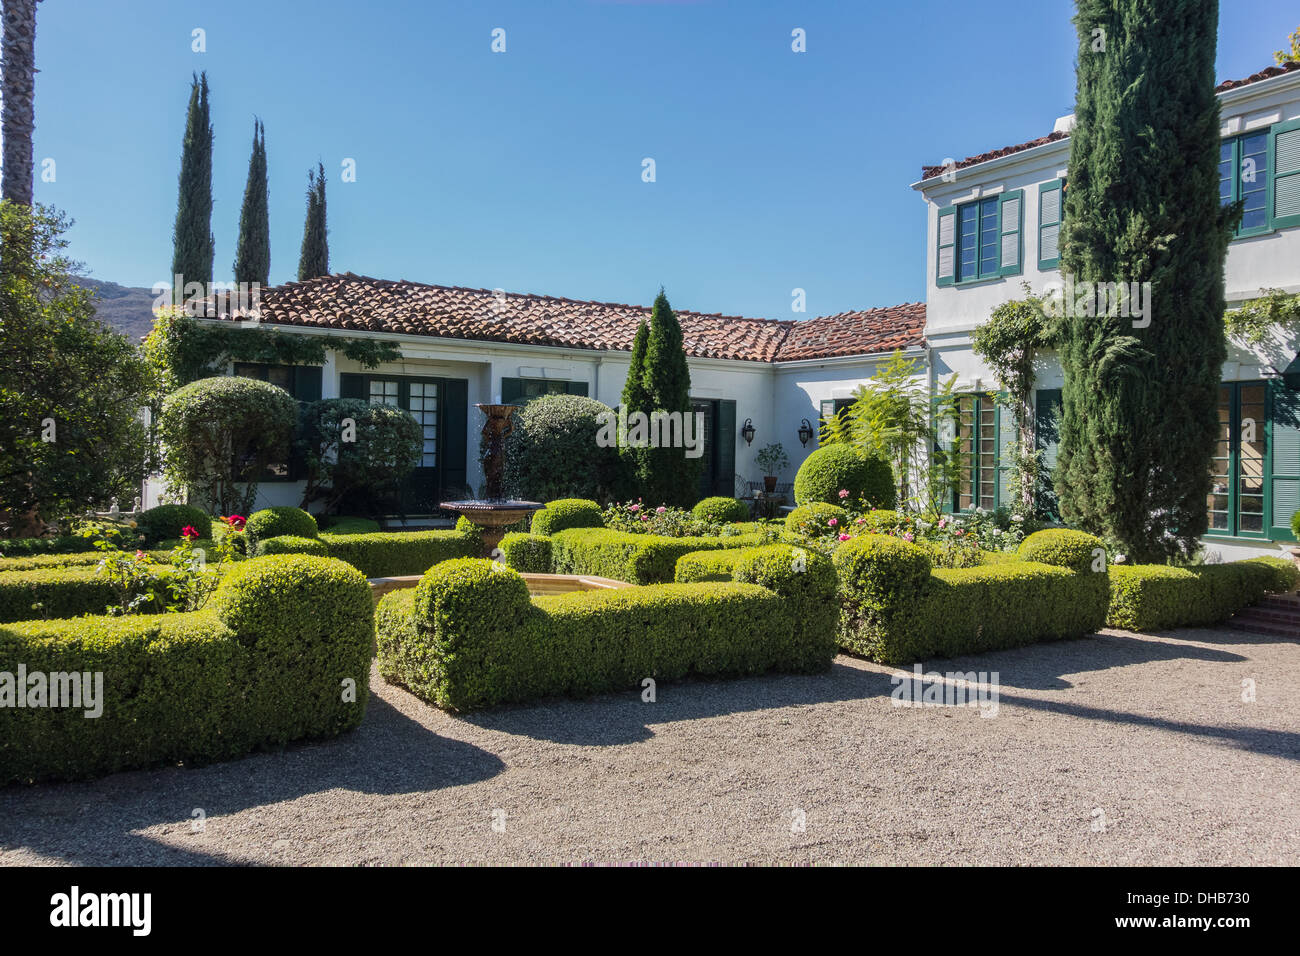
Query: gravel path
pixel 1117 749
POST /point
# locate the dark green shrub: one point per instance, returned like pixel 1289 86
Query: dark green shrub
pixel 696 566
pixel 396 553
pixel 54 593
pixel 635 558
pixel 566 513
pixel 382 451
pixel 552 452
pixel 280 520
pixel 470 637
pixel 527 553
pixel 1064 548
pixel 350 525
pixel 167 521
pixel 34 547
pixel 721 510
pixel 817 513
pixel 835 468
pixel 264 663
pixel 1157 597
pixel 292 544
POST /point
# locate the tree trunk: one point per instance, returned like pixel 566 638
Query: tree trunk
pixel 18 58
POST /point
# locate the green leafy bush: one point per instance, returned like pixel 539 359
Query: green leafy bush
pixel 396 553
pixel 280 520
pixel 553 454
pixel 54 592
pixel 167 521
pixel 251 670
pixel 470 637
pixel 696 566
pixel 814 519
pixel 292 544
pixel 635 558
pixel 351 525
pixel 527 553
pixel 835 468
pixel 721 510
pixel 381 452
pixel 566 513
pixel 34 547
pixel 1157 597
pixel 1067 549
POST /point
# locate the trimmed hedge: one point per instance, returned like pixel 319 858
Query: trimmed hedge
pixel 34 547
pixel 1075 550
pixel 1157 597
pixel 897 609
pixel 61 592
pixel 352 526
pixel 696 566
pixel 278 521
pixel 527 553
pixel 395 553
pixel 635 558
pixel 565 513
pixel 469 636
pixel 292 544
pixel 167 521
pixel 721 510
pixel 834 468
pixel 251 670
pixel 816 512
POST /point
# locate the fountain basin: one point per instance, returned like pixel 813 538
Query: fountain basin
pixel 538 584
pixel 493 517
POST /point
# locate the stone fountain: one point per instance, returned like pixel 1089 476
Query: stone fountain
pixel 493 513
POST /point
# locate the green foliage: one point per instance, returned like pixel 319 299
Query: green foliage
pixel 69 386
pixel 54 592
pixel 635 517
pixel 1255 321
pixel 352 525
pixel 553 452
pixel 220 434
pixel 192 241
pixel 715 565
pixel 280 520
pixel 253 249
pixel 635 558
pixel 566 513
pixel 291 544
pixel 33 547
pixel 396 553
pixel 1295 526
pixel 1143 207
pixel 314 258
pixel 375 451
pixel 721 510
pixel 835 468
pixel 167 521
pixel 1291 55
pixel 1156 597
pixel 772 459
pixel 470 637
pixel 815 518
pixel 527 553
pixel 1062 547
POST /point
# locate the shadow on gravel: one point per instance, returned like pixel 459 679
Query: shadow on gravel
pixel 93 822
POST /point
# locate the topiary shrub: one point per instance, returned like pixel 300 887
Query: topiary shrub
pixel 167 521
pixel 721 510
pixel 567 513
pixel 553 452
pixel 292 544
pixel 696 566
pixel 808 582
pixel 381 452
pixel 349 525
pixel 527 553
pixel 280 520
pixel 1157 597
pixel 634 558
pixel 835 468
pixel 1064 548
pixel 395 553
pixel 818 513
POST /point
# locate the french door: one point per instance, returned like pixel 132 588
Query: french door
pixel 1238 500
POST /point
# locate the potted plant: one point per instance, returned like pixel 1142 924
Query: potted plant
pixel 772 460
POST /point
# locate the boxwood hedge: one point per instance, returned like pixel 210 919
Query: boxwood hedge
pixel 280 520
pixel 717 565
pixel 292 544
pixel 835 468
pixel 33 547
pixel 469 636
pixel 635 558
pixel 394 553
pixel 721 510
pixel 527 553
pixel 168 521
pixel 250 670
pixel 565 513
pixel 817 513
pixel 1157 597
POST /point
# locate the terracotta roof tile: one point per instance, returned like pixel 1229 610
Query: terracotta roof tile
pixel 355 303
pixel 929 172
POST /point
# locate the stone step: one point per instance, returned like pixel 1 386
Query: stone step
pixel 1270 628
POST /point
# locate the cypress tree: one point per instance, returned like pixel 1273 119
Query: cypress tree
pixel 192 241
pixel 671 477
pixel 1142 205
pixel 315 257
pixel 636 399
pixel 253 251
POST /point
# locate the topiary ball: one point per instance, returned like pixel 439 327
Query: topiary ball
pixel 817 515
pixel 471 596
pixel 567 513
pixel 274 522
pixel 167 521
pixel 292 544
pixel 1075 550
pixel 835 468
pixel 721 510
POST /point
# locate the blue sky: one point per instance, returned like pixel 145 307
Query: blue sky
pixel 523 170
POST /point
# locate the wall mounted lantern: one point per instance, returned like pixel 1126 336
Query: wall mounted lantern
pixel 747 431
pixel 805 432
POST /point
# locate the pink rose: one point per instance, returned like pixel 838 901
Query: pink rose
pixel 843 493
pixel 660 510
pixel 635 508
pixel 844 537
pixel 833 522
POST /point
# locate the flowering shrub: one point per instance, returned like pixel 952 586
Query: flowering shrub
pixel 639 518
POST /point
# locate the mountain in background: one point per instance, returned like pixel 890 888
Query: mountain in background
pixel 126 309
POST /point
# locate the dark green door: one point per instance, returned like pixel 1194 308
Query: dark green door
pixel 718 476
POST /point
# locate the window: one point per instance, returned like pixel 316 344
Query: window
pixel 1051 212
pixel 1243 175
pixel 520 391
pixel 1255 472
pixel 424 409
pixel 977 446
pixel 980 240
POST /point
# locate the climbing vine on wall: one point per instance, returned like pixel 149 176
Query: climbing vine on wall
pixel 1256 319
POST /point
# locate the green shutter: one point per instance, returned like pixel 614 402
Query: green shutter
pixel 512 391
pixel 1049 225
pixel 453 430
pixel 1284 179
pixel 947 251
pixel 576 388
pixel 352 385
pixel 725 444
pixel 1284 458
pixel 1011 219
pixel 307 383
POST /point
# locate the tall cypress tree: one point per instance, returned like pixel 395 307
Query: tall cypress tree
pixel 315 257
pixel 1142 205
pixel 253 250
pixel 672 477
pixel 192 242
pixel 636 399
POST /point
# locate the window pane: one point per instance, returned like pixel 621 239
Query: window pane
pixel 967 230
pixel 1226 150
pixel 1254 180
pixel 988 237
pixel 1250 464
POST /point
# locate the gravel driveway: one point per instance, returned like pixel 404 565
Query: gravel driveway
pixel 1116 749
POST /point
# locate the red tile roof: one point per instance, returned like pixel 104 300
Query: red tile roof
pixel 929 172
pixel 353 303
